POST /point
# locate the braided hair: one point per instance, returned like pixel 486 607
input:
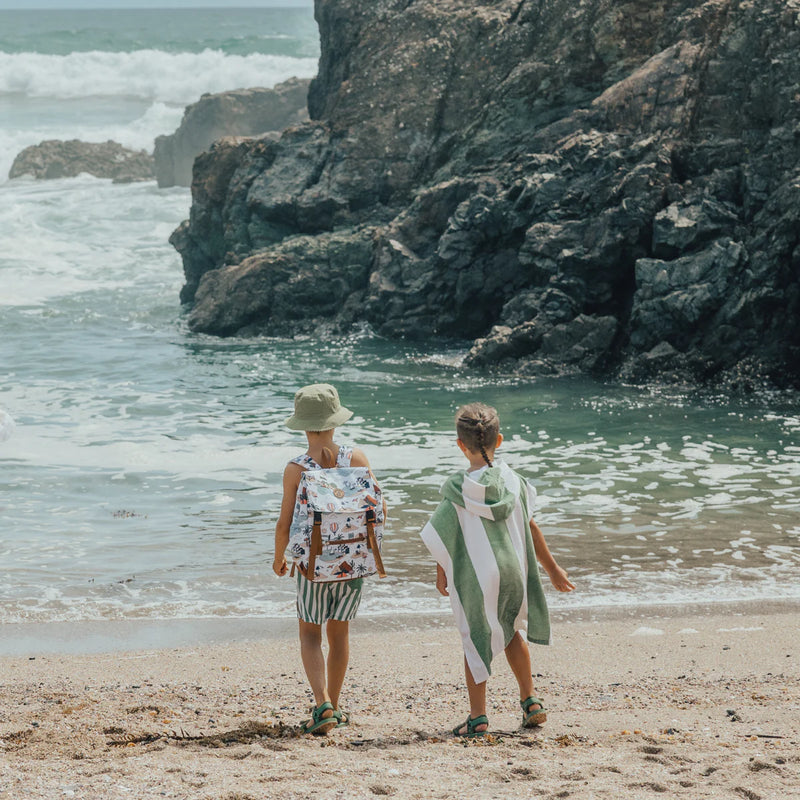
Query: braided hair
pixel 478 426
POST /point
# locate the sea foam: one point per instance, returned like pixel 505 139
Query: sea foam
pixel 153 75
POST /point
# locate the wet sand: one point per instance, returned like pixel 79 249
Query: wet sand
pixel 694 704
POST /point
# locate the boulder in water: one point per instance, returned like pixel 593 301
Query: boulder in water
pixel 55 158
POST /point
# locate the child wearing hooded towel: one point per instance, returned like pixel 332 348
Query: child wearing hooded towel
pixel 487 549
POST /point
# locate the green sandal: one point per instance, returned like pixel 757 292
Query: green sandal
pixel 471 725
pixel 318 724
pixel 342 717
pixel 533 717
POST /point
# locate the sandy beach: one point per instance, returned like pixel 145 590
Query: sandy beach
pixel 645 704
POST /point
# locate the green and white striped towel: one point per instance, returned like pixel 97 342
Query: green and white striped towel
pixel 480 535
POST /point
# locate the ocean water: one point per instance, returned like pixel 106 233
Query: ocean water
pixel 142 481
pixel 127 75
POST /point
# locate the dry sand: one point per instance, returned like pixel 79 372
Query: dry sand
pixel 691 705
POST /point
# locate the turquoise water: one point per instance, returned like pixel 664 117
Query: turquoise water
pixel 143 478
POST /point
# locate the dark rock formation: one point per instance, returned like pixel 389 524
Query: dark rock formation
pixel 297 282
pixel 58 159
pixel 243 112
pixel 601 186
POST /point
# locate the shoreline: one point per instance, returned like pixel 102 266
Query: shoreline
pixel 701 705
pixel 88 637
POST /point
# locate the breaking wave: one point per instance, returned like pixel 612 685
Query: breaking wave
pixel 152 75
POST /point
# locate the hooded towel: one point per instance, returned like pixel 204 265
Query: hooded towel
pixel 480 535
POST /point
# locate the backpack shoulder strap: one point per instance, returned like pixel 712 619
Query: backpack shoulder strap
pixel 305 462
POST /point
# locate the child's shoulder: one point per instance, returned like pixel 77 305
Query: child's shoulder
pixel 291 476
pixel 357 456
pixel 301 462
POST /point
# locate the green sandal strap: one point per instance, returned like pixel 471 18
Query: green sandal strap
pixel 471 725
pixel 342 717
pixel 532 701
pixel 318 722
pixel 533 717
pixel 321 709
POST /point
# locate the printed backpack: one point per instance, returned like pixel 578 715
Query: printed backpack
pixel 337 528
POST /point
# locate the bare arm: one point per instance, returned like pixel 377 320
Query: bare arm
pixel 291 480
pixel 558 577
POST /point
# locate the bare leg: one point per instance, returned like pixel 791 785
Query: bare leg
pixel 477 699
pixel 314 661
pixel 519 659
pixel 338 657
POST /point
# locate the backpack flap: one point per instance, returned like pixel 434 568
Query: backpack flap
pixel 341 490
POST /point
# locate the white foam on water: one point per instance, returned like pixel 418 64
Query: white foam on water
pixel 7 426
pixel 130 98
pixel 159 118
pixel 722 473
pixel 245 587
pixel 65 237
pixel 153 75
pixel 127 449
pixel 250 595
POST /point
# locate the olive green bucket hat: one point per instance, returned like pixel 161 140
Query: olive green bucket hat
pixel 317 408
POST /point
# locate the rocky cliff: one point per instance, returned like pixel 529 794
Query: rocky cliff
pixel 576 185
pixel 240 112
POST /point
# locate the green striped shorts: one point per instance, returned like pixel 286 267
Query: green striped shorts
pixel 319 602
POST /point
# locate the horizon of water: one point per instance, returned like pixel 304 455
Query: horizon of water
pixel 143 479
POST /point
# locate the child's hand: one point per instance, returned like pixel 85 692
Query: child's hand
pixel 559 579
pixel 441 581
pixel 279 566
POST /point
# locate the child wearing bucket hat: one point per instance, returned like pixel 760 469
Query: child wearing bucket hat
pixel 317 412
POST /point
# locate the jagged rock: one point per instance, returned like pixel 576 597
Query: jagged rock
pixel 663 362
pixel 554 304
pixel 503 343
pixel 682 227
pixel 209 212
pixel 676 299
pixel 66 159
pixel 293 285
pixel 242 112
pixel 532 172
pixel 578 345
